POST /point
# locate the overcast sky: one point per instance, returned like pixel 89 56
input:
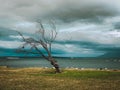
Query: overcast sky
pixel 86 28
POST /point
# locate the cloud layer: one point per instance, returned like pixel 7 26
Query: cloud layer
pixel 86 27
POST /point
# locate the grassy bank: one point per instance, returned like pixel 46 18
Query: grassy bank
pixel 46 79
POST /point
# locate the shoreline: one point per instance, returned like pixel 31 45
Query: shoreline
pixel 70 68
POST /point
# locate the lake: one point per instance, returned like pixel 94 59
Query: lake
pixel 63 62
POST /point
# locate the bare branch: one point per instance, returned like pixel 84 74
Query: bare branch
pixel 44 41
pixel 21 35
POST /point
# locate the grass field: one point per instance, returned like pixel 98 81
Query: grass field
pixel 46 79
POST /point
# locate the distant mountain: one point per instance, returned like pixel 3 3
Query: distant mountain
pixel 111 55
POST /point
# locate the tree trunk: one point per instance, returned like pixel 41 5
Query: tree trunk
pixel 55 65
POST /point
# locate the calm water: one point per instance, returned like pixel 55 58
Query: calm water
pixel 75 63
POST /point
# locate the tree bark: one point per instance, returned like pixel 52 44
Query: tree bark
pixel 55 65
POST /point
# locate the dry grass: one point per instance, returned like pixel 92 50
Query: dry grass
pixel 45 79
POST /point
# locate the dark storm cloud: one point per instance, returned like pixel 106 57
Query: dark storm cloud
pixel 5 33
pixel 104 48
pixel 66 10
pixel 89 12
pixel 92 24
pixel 117 25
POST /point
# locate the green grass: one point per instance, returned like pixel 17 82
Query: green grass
pixel 46 79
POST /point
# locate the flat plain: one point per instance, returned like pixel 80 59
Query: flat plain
pixel 68 79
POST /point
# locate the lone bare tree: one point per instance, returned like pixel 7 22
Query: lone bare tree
pixel 43 39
